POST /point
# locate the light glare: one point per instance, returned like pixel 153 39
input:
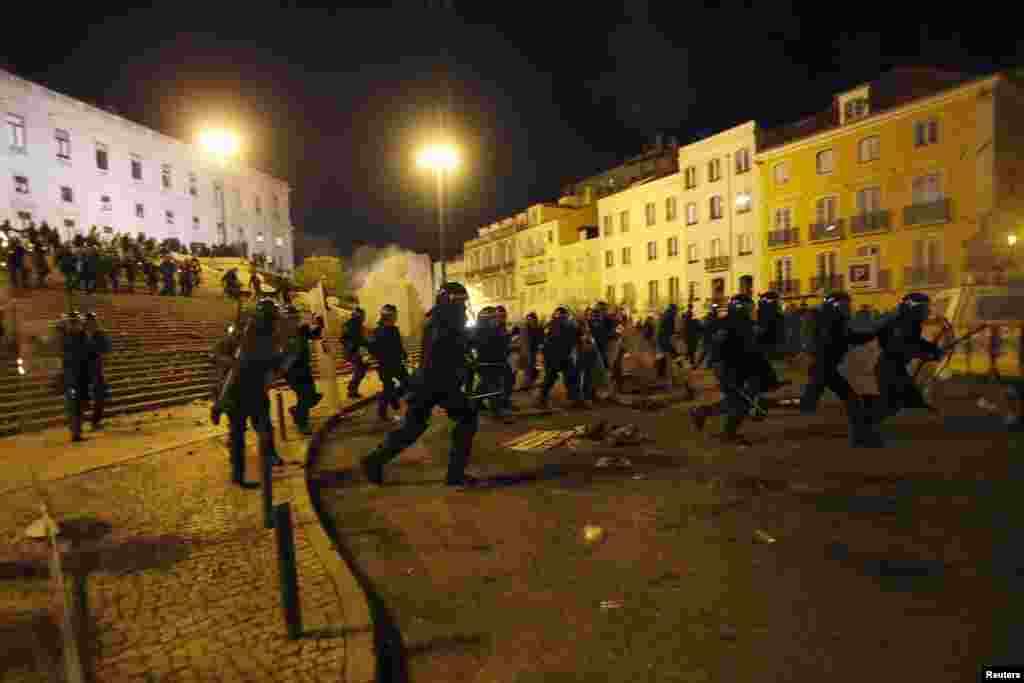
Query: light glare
pixel 220 142
pixel 441 157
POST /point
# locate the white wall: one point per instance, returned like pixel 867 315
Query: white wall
pixel 45 111
pixel 734 222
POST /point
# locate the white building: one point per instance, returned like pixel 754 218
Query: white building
pixel 74 165
pixel 720 209
pixel 642 236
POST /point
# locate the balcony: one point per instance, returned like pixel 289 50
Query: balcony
pixel 536 278
pixel 785 287
pixel 783 238
pixel 490 270
pixel 509 266
pixel 826 283
pixel 824 232
pixel 939 211
pixel 716 263
pixel 876 221
pixel 931 276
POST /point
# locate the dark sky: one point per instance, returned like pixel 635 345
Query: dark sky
pixel 336 101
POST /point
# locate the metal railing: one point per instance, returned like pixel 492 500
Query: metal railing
pixel 875 221
pixel 831 230
pixel 785 287
pixel 930 276
pixel 826 283
pixel 938 211
pixel 716 263
pixel 782 238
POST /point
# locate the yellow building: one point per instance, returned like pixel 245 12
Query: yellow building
pixel 544 279
pixel 880 195
pixel 490 265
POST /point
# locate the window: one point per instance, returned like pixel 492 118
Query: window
pixel 21 184
pixel 16 132
pixel 781 173
pixel 25 218
pixel 256 205
pixel 673 247
pixel 652 251
pixel 279 241
pixel 607 221
pixel 609 293
pixel 716 207
pixel 745 243
pixel 551 236
pixel 869 250
pixel 716 247
pixel 626 256
pixel 69 228
pixel 691 177
pixel 259 237
pixel 783 268
pixel 742 160
pixel 136 168
pixel 165 176
pixel 927 188
pixel 927 253
pixel 868 149
pixel 102 160
pixel 195 222
pixel 67 195
pixel 63 144
pixel 826 264
pixel 855 109
pixel 652 292
pixel 609 259
pixel 568 267
pixel 649 213
pixel 926 132
pixel 670 208
pixel 714 170
pixel 193 188
pixel 106 204
pixel 691 213
pixel 824 161
pixel 673 290
pixel 869 200
pixel 694 291
pixel 826 210
pixel 624 221
pixel 140 211
pixel 783 218
pixel 743 202
pixel 169 217
pixel 692 253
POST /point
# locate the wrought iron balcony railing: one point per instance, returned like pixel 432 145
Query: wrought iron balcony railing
pixel 931 276
pixel 785 287
pixel 783 238
pixel 826 283
pixel 832 230
pixel 938 211
pixel 716 263
pixel 876 221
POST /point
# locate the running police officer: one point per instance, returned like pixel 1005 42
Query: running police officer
pixel 299 373
pixel 387 348
pixel 560 346
pixel 353 341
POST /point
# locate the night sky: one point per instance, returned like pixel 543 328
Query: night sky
pixel 542 94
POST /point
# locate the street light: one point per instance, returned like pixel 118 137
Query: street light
pixel 442 159
pixel 221 144
pixel 1011 240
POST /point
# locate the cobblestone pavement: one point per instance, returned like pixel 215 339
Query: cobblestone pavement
pixel 183 580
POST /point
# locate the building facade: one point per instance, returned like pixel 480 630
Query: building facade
pixel 546 276
pixel 491 264
pixel 720 208
pixel 74 166
pixel 881 194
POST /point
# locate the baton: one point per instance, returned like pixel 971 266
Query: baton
pixel 950 346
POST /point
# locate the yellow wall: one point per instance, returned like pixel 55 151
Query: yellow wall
pixel 962 124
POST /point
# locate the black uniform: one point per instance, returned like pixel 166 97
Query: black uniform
pixel 185 276
pixel 492 348
pixel 602 328
pixel 98 344
pixel 560 344
pixel 299 375
pixel 664 345
pixel 691 331
pixel 770 333
pixel 900 340
pixel 438 382
pixel 90 270
pixel 223 357
pixel 534 342
pixel 152 276
pixel 115 273
pixel 387 348
pixel 352 342
pixel 710 326
pixel 129 273
pixel 74 376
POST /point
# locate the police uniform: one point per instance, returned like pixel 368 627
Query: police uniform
pixel 299 371
pixel 74 378
pixel 387 348
pixel 560 344
pixel 769 333
pixel 438 382
pixel 98 344
pixel 534 342
pixel 664 345
pixel 492 349
pixel 352 342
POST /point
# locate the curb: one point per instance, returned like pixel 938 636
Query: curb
pixel 360 655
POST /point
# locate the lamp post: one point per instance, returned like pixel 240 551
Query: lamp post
pixel 441 159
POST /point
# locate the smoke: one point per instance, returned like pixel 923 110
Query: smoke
pixel 396 276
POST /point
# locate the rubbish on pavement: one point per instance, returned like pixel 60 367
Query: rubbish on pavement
pixel 987 405
pixel 638 476
pixel 611 604
pixel 762 537
pixel 593 534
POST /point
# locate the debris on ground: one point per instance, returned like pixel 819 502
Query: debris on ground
pixel 593 534
pixel 540 439
pixel 987 405
pixel 607 461
pixel 626 435
pixel 762 537
pixel 611 604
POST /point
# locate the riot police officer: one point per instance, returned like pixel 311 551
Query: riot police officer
pixel 508 373
pixel 299 371
pixel 438 381
pixel 244 397
pixel 387 348
pixel 734 345
pixel 710 326
pixel 223 357
pixel 98 343
pixel 833 340
pixel 492 354
pixel 534 342
pixel 691 331
pixel 769 335
pixel 353 341
pixel 561 343
pixel 73 378
pixel 663 342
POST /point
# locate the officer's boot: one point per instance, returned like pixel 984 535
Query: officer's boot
pixel 458 456
pixel 97 413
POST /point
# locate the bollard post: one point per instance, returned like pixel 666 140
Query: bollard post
pixel 280 417
pixel 289 574
pixel 268 491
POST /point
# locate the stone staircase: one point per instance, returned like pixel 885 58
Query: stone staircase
pixel 160 355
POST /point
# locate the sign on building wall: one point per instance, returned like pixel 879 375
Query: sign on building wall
pixel 863 272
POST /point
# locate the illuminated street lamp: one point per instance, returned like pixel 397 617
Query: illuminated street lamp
pixel 442 159
pixel 221 145
pixel 1011 240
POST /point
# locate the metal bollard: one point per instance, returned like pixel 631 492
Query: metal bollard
pixel 288 571
pixel 268 492
pixel 280 417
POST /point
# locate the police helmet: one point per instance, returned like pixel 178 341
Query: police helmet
pixel 770 296
pixel 267 309
pixel 359 313
pixel 500 311
pixel 388 312
pixel 914 301
pixel 561 313
pixel 741 303
pixel 452 292
pixel 71 317
pixel 487 316
pixel 531 316
pixel 834 299
pixel 91 317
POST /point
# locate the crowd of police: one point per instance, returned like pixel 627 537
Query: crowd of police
pixel 465 367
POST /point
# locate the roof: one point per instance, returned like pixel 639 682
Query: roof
pixel 891 90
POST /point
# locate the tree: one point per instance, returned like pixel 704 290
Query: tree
pixel 336 271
